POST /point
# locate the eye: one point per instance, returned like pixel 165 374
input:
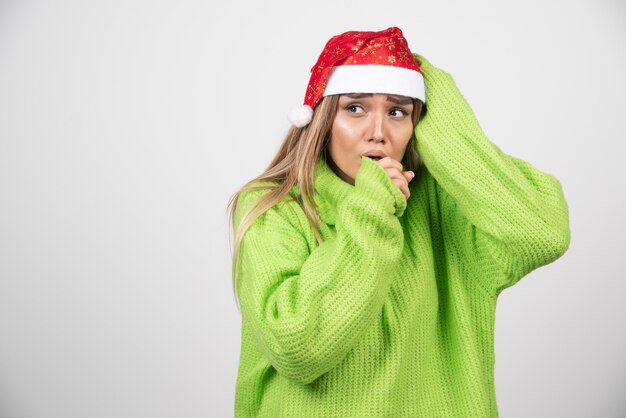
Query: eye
pixel 398 112
pixel 355 108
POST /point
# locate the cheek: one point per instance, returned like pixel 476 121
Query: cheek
pixel 344 138
pixel 344 128
pixel 408 136
pixel 407 131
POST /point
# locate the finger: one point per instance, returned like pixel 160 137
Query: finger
pixel 388 162
pixel 396 176
pixel 403 186
pixel 394 171
pixel 400 177
pixel 408 175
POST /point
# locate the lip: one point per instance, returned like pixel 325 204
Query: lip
pixel 374 153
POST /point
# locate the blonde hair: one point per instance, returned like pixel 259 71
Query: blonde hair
pixel 294 163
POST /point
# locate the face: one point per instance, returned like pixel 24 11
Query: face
pixel 366 122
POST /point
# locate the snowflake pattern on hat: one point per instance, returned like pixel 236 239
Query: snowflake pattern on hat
pixel 388 47
pixel 369 62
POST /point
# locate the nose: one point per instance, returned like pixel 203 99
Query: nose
pixel 378 128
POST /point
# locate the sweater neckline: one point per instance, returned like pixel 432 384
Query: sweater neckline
pixel 330 190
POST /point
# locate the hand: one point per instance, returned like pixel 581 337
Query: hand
pixel 447 107
pixel 425 65
pixel 399 177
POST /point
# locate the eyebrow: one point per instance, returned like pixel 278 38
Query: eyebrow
pixel 394 99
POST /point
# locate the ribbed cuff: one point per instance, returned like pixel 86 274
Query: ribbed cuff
pixel 373 181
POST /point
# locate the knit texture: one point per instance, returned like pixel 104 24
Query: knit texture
pixel 393 315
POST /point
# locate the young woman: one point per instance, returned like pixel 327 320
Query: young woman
pixel 369 255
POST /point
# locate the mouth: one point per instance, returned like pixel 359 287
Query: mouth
pixel 374 154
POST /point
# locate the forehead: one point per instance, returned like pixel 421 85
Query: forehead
pixel 394 98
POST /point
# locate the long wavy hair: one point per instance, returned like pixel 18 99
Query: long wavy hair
pixel 294 163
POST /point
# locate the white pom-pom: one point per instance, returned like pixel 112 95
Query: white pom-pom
pixel 301 116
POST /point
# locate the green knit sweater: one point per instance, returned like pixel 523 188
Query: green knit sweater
pixel 393 315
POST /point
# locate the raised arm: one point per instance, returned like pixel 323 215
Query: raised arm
pixel 307 307
pixel 505 212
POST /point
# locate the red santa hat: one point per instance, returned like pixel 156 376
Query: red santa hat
pixel 362 62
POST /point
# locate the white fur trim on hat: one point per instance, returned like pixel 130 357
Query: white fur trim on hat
pixel 375 79
pixel 301 116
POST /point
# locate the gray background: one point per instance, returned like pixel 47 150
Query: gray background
pixel 125 127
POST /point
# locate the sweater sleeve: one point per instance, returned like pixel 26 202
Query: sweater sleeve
pixel 512 217
pixel 306 308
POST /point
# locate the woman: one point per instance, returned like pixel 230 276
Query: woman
pixel 370 254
